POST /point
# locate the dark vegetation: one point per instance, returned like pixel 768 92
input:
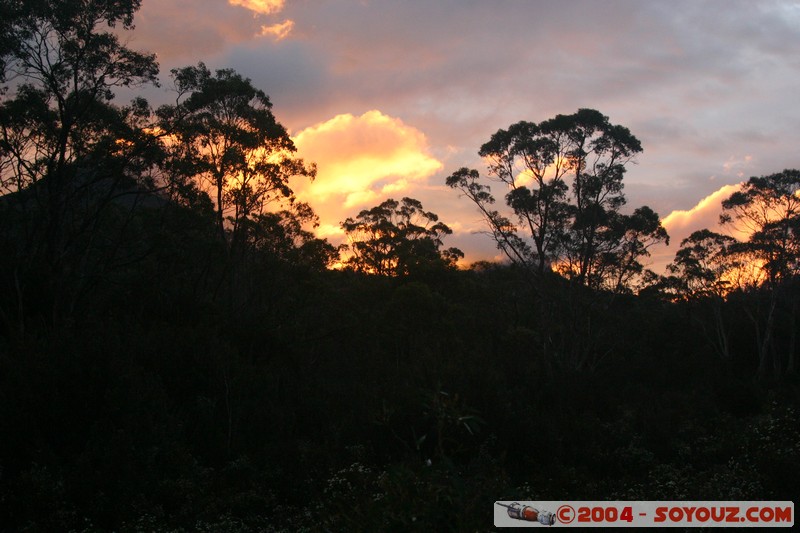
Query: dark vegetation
pixel 174 361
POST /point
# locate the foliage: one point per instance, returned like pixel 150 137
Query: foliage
pixel 703 265
pixel 767 208
pixel 69 158
pixel 151 379
pixel 281 235
pixel 67 67
pixel 226 138
pixel 584 235
pixel 762 268
pixel 397 239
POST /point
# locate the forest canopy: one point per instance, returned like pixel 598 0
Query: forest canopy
pixel 181 351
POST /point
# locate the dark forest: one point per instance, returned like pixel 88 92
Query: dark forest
pixel 180 352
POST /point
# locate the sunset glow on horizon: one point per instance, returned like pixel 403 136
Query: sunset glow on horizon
pixel 389 98
pixel 264 258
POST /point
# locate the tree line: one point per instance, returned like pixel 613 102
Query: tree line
pixel 180 352
pixel 220 150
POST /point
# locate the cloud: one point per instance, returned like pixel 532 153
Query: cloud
pixel 365 157
pixel 737 166
pixel 278 31
pixel 262 7
pixel 705 214
pixel 194 30
pixel 681 223
pixel 696 82
pixel 361 160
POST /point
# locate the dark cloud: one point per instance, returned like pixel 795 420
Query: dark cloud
pixel 291 74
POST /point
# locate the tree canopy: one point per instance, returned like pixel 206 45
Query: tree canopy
pixel 768 209
pixel 180 352
pixel 398 238
pixel 563 179
pixel 67 153
pixel 66 65
pixel 227 139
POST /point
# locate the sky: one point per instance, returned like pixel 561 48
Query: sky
pixel 389 97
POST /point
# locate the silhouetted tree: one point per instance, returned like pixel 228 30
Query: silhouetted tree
pixel 66 152
pixel 704 271
pixel 60 113
pixel 229 140
pixel 398 238
pixel 584 234
pixel 281 235
pixel 704 265
pixel 768 208
pixel 177 396
pixel 621 246
pixel 535 153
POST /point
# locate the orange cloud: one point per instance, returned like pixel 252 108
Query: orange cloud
pixel 361 161
pixel 261 7
pixel 278 31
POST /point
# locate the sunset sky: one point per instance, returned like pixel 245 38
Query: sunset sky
pixel 389 97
